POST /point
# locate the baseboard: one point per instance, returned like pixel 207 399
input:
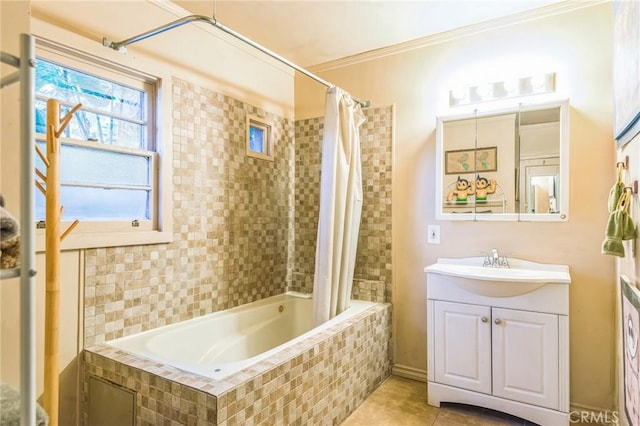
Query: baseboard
pixel 409 372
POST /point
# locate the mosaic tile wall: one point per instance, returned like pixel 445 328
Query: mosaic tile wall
pixel 372 278
pixel 233 229
pixel 319 380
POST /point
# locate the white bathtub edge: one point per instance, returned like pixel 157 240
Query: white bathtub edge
pixel 299 294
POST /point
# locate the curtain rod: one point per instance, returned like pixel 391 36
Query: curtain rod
pixel 122 45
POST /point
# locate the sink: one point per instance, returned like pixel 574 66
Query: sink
pixel 522 277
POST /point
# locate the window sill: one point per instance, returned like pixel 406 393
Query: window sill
pixel 75 241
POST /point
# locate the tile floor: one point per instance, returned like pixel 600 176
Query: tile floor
pixel 403 402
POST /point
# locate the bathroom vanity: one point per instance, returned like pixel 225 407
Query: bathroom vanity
pixel 498 337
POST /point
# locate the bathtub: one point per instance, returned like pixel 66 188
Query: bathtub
pixel 221 343
pixel 259 363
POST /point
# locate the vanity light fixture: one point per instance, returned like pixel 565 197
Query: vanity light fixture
pixel 517 87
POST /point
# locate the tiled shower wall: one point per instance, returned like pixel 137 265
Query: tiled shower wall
pixel 231 222
pixel 235 218
pixel 372 278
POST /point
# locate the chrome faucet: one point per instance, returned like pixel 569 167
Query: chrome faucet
pixel 495 261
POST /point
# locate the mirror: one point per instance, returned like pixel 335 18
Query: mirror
pixel 508 164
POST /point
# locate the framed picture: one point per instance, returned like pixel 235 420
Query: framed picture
pixel 259 143
pixel 626 70
pixel 630 334
pixel 462 160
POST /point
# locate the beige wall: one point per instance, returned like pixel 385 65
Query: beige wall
pixel 69 337
pixel 577 45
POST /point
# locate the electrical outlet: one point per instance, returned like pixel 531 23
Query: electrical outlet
pixel 433 234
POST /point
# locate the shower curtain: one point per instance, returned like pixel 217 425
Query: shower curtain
pixel 340 205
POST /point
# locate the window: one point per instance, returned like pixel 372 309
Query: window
pixel 259 138
pixel 108 157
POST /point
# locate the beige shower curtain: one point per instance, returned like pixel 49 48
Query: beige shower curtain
pixel 340 205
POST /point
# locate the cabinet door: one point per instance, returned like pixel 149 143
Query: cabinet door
pixel 463 346
pixel 525 356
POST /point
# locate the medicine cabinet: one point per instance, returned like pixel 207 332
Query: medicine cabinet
pixel 509 164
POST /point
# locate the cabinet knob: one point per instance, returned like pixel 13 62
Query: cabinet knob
pixel 484 319
pixel 497 321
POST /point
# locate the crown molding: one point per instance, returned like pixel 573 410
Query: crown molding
pixel 458 33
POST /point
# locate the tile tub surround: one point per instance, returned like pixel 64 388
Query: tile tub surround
pixel 372 277
pixel 319 380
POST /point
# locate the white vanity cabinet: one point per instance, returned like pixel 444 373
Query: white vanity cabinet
pixel 526 356
pixel 499 344
pixel 462 345
pixel 522 347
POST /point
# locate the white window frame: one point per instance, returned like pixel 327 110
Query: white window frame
pixel 267 143
pixel 90 234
